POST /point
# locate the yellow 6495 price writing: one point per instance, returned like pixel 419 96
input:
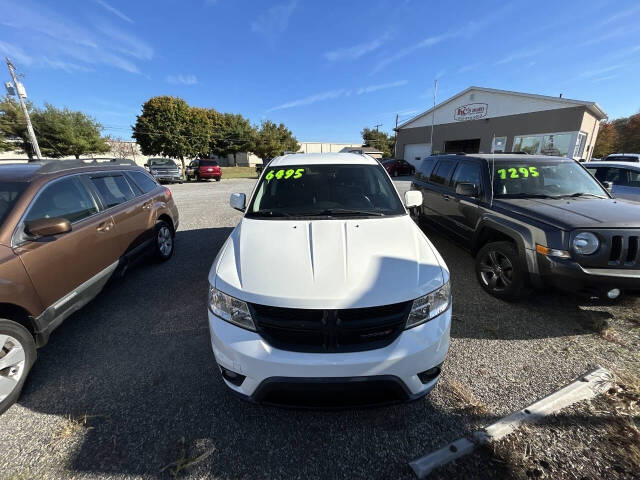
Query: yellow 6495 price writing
pixel 282 173
pixel 520 172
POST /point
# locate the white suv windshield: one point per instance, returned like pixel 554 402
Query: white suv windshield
pixel 325 190
pixel 546 179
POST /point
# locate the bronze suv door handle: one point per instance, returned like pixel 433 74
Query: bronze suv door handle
pixel 147 205
pixel 105 226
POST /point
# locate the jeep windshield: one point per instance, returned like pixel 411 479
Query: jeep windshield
pixel 543 179
pixel 9 194
pixel 333 190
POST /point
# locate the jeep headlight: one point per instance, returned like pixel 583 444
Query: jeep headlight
pixel 230 309
pixel 429 306
pixel 585 243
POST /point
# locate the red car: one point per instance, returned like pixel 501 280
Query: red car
pixel 398 167
pixel 203 169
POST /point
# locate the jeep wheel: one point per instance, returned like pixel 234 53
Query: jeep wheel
pixel 17 354
pixel 499 270
pixel 164 241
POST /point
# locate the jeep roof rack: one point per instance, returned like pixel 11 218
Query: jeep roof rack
pixel 50 166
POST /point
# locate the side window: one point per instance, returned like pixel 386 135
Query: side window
pixel 66 198
pixel 143 181
pixel 617 176
pixel 466 173
pixel 113 189
pixel 442 172
pixel 634 178
pixel 426 167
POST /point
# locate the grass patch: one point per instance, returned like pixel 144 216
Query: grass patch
pixel 239 172
pixel 71 427
pixel 183 462
pixel 464 396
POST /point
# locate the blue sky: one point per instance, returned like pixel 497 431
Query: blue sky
pixel 324 68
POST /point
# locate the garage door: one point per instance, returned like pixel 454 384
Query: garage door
pixel 415 152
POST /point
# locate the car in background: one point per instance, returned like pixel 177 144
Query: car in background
pixel 621 178
pixel 203 169
pixel 67 227
pixel 398 167
pixel 327 292
pixel 533 221
pixel 623 157
pixel 164 170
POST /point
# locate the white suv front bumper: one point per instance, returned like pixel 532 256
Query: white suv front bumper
pixel 415 350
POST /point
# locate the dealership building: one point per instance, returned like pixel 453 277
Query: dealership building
pixel 485 120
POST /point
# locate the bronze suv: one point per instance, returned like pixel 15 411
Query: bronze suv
pixel 66 227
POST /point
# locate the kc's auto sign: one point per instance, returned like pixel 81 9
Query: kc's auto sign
pixel 470 111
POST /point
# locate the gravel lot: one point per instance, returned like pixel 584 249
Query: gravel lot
pixel 128 385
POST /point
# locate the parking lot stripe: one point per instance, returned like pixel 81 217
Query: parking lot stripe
pixel 584 387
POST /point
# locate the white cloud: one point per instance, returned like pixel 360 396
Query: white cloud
pixel 318 97
pixel 15 53
pixel 519 55
pixel 114 10
pixel 620 15
pixel 55 41
pixel 333 94
pixel 356 51
pixel 600 71
pixel 182 79
pixel 382 86
pixel 275 20
pixel 467 31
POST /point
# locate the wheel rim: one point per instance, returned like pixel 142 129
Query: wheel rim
pixel 12 361
pixel 496 271
pixel 165 242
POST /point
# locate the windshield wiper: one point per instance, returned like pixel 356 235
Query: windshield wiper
pixel 329 212
pixel 269 212
pixel 582 194
pixel 525 195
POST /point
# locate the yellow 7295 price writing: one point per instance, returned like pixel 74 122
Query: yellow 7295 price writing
pixel 282 173
pixel 520 172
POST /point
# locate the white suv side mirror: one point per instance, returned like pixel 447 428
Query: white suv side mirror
pixel 413 198
pixel 238 201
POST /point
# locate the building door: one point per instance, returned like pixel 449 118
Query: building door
pixel 415 152
pixel 462 146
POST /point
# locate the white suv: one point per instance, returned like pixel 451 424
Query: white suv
pixel 327 291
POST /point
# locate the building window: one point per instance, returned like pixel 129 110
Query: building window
pixel 579 150
pixel 499 144
pixel 557 144
pixel 529 144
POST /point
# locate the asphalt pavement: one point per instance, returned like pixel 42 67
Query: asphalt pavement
pixel 127 387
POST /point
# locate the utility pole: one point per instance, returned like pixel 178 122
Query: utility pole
pixel 377 137
pixel 395 138
pixel 20 92
pixel 433 112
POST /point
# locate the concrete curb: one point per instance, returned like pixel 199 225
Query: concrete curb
pixel 584 387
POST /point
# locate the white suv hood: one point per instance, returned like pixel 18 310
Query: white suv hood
pixel 328 264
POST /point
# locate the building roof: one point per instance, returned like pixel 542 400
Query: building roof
pixel 593 107
pixel 321 158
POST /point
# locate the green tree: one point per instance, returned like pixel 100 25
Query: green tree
pixel 273 140
pixel 629 135
pixel 14 125
pixel 64 132
pixel 380 140
pixel 606 141
pixel 167 126
pixel 238 135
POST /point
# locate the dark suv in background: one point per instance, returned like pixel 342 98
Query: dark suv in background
pixel 66 227
pixel 164 170
pixel 533 221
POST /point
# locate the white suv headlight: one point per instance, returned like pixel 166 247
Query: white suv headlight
pixel 230 309
pixel 429 306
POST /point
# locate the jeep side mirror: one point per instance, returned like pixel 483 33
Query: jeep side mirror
pixel 238 201
pixel 46 227
pixel 413 198
pixel 467 190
